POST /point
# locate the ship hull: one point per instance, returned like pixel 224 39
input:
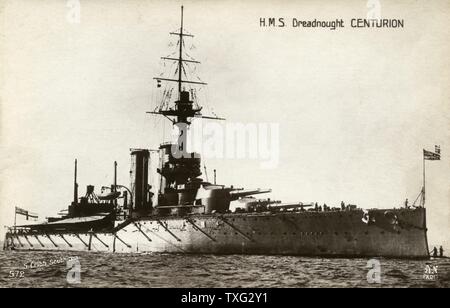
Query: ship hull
pixel 396 233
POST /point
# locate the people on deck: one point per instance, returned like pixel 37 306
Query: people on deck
pixel 435 252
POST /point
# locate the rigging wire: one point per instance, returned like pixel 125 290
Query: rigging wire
pixel 189 71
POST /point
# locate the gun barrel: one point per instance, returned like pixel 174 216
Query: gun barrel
pixel 238 194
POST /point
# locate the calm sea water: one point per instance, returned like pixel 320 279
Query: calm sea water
pixel 168 270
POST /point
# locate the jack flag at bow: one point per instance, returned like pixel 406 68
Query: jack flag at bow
pixel 26 213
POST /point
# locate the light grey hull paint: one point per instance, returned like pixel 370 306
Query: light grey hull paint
pixel 399 233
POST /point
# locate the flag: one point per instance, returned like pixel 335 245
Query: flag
pixel 431 156
pixel 26 213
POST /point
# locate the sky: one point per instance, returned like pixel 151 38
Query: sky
pixel 355 107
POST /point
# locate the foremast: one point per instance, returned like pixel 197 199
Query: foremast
pixel 184 108
pixel 179 169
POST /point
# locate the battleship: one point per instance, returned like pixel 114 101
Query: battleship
pixel 184 213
